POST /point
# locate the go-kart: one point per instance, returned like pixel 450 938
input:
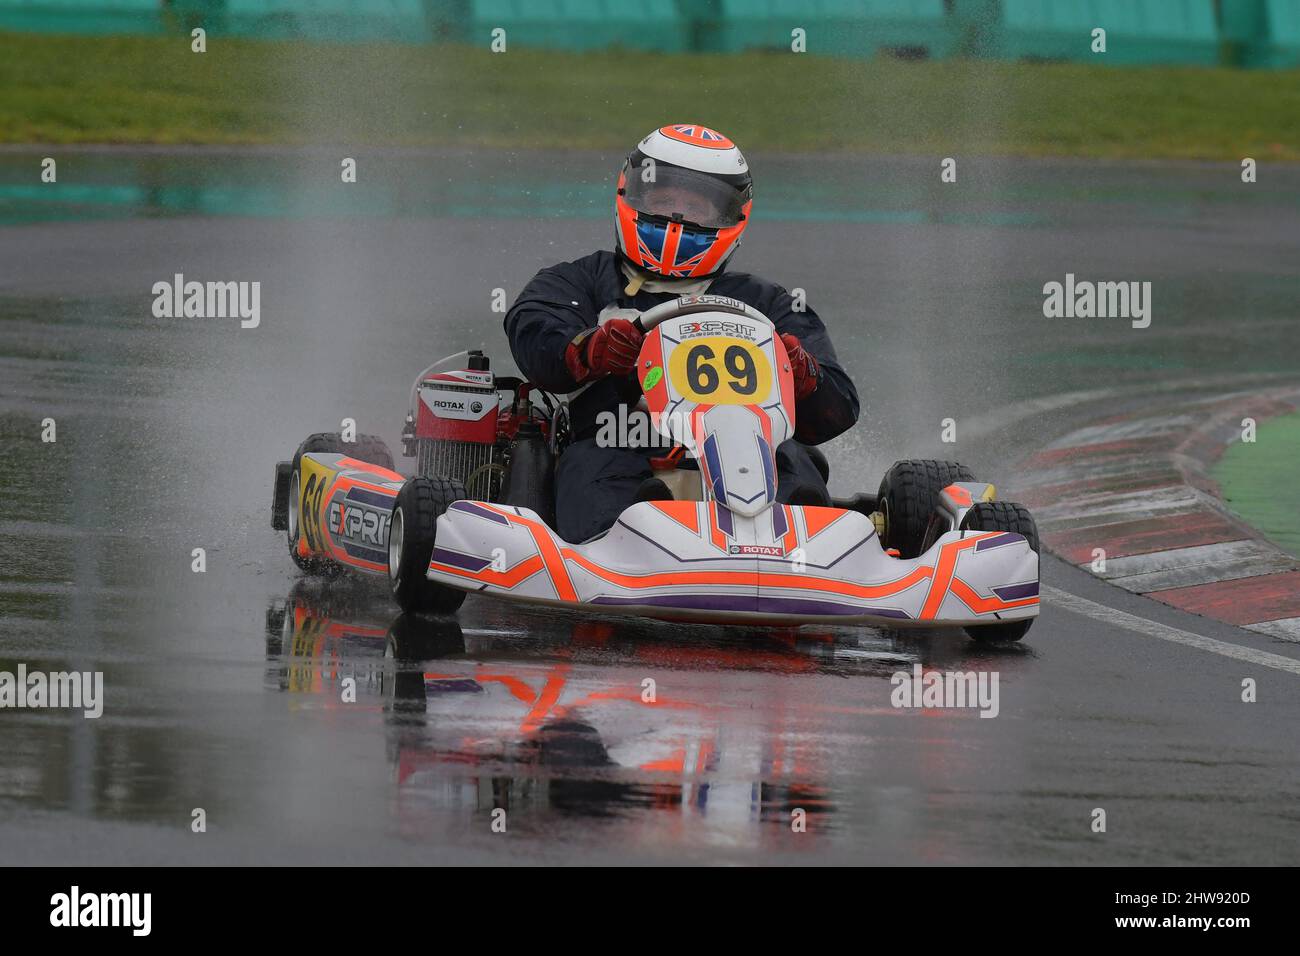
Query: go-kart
pixel 932 548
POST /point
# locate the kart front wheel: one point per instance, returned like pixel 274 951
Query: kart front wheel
pixel 908 495
pixel 411 533
pixel 1002 516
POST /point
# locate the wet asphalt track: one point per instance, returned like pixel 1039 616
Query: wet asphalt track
pixel 223 688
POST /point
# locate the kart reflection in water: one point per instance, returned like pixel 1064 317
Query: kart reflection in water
pixel 574 717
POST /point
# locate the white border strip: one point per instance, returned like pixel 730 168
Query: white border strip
pixel 1175 635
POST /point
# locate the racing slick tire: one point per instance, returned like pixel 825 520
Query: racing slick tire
pixel 908 495
pixel 1002 516
pixel 280 496
pixel 410 544
pixel 368 448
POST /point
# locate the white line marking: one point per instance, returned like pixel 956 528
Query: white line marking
pixel 1286 629
pixel 1175 635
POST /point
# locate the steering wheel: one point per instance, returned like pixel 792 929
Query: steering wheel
pixel 688 304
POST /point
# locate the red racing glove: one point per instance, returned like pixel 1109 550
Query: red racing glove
pixel 609 349
pixel 807 373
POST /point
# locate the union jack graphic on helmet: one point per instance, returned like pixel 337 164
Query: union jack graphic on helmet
pixel 670 249
pixel 683 201
pixel 697 136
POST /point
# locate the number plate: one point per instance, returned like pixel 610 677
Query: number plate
pixel 720 370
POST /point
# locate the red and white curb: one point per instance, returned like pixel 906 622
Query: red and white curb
pixel 1130 499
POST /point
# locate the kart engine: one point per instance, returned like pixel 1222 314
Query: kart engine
pixel 453 430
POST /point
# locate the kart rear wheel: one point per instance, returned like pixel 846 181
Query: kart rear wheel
pixel 908 495
pixel 368 448
pixel 280 496
pixel 1002 516
pixel 410 544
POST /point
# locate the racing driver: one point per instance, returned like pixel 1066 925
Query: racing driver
pixel 682 204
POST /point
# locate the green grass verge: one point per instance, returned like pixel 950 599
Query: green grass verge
pixel 57 89
pixel 1258 481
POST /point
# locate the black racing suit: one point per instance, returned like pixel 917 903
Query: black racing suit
pixel 595 484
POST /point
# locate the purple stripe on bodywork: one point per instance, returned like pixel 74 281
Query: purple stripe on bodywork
pixel 372 498
pixel 470 508
pixel 769 472
pixel 454 559
pixel 713 468
pixel 724 521
pixel 696 602
pixel 998 541
pixel 1014 592
pixel 779 525
pixel 740 602
pixel 365 554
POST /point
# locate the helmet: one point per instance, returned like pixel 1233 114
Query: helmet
pixel 683 200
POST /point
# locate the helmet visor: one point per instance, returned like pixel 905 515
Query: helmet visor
pixel 676 193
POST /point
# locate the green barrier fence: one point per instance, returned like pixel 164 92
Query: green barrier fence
pixel 838 27
pixel 81 16
pixel 1136 31
pixel 583 24
pixel 1261 34
pixel 1250 33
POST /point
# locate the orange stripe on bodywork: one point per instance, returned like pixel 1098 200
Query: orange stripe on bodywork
pixel 510 578
pixel 716 534
pixel 346 482
pixel 747 579
pixel 944 571
pixel 558 558
pixel 817 520
pixel 983 605
pixel 546 547
pixel 357 464
pixel 960 495
pixel 685 513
